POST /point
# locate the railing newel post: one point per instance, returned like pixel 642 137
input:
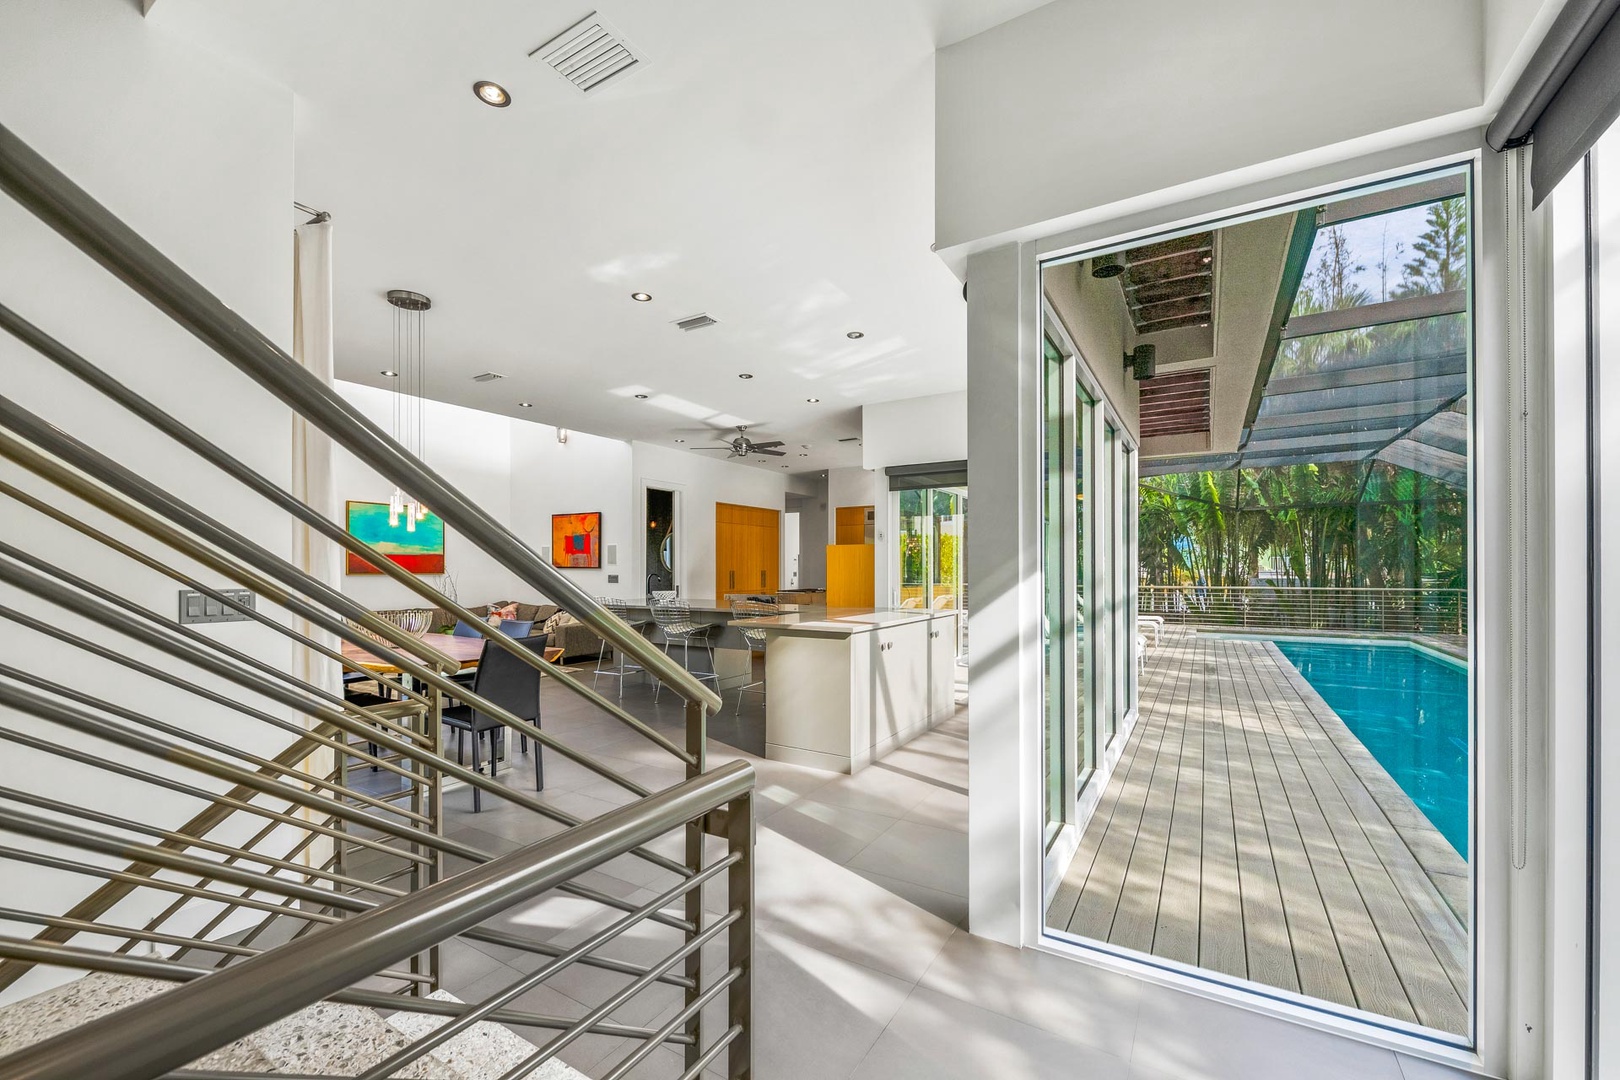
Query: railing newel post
pixel 740 944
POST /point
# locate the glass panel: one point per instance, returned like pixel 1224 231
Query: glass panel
pixel 1054 742
pixel 1106 603
pixel 948 565
pixel 1411 252
pixel 1084 468
pixel 913 548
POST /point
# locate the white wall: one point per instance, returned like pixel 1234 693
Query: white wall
pixel 1079 105
pixel 914 431
pixel 197 156
pixel 699 483
pixel 517 471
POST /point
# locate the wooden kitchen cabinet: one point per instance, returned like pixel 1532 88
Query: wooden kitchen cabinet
pixel 747 549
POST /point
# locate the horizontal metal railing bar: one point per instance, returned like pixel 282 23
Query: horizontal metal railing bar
pixel 55 862
pixel 24 739
pixel 107 596
pixel 238 470
pixel 581 1026
pixel 171 520
pixel 265 764
pixel 100 901
pixel 69 809
pixel 445 1032
pixel 82 839
pixel 106 471
pixel 226 912
pixel 252 612
pixel 645 1050
pixel 143 1039
pixel 49 590
pixel 68 956
pixel 730 1036
pixel 58 712
pixel 65 207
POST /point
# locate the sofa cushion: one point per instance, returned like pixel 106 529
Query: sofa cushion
pixel 542 612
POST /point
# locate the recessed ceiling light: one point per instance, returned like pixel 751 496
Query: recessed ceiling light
pixel 388 374
pixel 812 401
pixel 804 455
pixel 855 335
pixel 641 397
pixel 784 466
pixel 525 404
pixel 642 297
pixel 745 375
pixel 492 94
pixel 680 440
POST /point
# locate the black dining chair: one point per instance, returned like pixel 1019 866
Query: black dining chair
pixel 509 682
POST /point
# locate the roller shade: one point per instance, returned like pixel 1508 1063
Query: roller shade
pixel 1568 95
pixel 933 474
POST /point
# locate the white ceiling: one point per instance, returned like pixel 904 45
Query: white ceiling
pixel 772 165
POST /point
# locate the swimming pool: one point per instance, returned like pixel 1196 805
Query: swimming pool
pixel 1409 707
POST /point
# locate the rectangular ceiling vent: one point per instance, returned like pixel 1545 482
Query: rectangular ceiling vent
pixel 590 54
pixel 696 322
pixel 489 376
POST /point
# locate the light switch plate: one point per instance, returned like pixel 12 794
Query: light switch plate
pixel 198 608
pixel 613 579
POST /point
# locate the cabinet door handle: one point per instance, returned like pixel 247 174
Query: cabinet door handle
pixel 762 579
pixel 733 579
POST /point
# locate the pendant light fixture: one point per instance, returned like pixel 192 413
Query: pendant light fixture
pixel 409 428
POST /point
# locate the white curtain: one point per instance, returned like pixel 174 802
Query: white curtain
pixel 311 449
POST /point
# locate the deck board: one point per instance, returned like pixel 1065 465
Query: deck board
pixel 1238 832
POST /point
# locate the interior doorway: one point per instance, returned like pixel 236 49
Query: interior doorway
pixel 660 540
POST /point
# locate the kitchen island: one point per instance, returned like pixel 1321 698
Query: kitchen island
pixel 844 686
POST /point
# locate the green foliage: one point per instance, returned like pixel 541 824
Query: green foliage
pixel 1331 524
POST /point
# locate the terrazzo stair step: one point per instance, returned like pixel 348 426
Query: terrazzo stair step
pixel 484 1051
pixel 326 1039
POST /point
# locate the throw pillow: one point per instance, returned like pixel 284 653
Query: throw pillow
pixel 558 621
pixel 496 614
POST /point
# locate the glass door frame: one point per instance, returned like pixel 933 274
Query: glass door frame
pixel 1099 451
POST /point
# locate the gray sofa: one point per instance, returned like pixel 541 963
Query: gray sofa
pixel 577 641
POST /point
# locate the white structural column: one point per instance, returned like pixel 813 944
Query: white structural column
pixel 1004 463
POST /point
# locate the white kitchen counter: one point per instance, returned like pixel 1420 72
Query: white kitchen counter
pixel 844 686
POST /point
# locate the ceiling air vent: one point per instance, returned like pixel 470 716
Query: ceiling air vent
pixel 590 54
pixel 489 376
pixel 696 322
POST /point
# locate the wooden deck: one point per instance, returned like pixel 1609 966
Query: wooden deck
pixel 1243 832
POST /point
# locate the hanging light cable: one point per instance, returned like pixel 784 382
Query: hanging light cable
pixel 410 428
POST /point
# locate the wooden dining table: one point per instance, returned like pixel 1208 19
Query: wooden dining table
pixel 464 650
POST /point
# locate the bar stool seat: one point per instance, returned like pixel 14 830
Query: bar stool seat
pixel 619 668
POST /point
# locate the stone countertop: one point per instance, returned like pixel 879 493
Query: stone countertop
pixel 841 622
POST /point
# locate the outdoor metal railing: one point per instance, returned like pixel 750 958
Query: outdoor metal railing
pixel 298 848
pixel 1293 607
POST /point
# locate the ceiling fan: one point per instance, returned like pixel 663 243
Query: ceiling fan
pixel 742 446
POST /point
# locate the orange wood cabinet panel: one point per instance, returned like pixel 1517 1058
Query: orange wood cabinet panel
pixel 849 524
pixel 851 575
pixel 747 549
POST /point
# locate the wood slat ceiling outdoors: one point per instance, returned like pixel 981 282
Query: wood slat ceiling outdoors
pixel 1170 284
pixel 1175 404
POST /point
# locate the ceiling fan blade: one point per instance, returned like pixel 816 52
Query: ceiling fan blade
pixel 769 453
pixel 727 449
pixel 768 445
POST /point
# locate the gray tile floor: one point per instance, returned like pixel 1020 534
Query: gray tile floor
pixel 862 966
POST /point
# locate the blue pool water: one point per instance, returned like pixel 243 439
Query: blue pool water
pixel 1410 709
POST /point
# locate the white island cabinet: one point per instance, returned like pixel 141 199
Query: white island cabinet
pixel 844 687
